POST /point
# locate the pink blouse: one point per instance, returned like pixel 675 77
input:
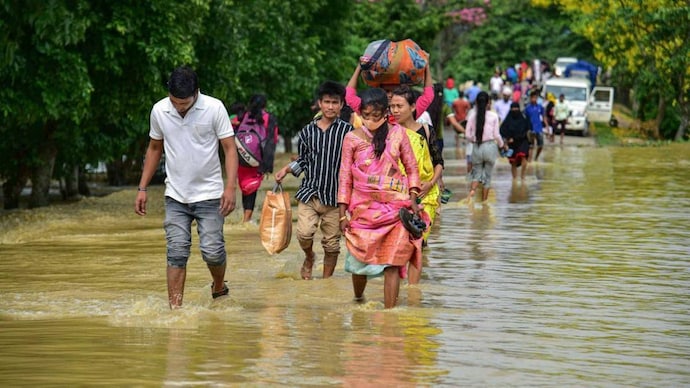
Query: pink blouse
pixel 491 128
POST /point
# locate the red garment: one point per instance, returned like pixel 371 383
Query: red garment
pixel 460 109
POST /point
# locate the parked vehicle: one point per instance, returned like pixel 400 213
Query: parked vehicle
pixel 560 65
pixel 600 107
pixel 582 69
pixel 576 92
pixel 586 104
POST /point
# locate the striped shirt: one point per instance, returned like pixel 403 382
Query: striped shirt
pixel 319 156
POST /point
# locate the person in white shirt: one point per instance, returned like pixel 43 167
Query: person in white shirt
pixel 496 83
pixel 189 126
pixel 561 113
pixel 502 105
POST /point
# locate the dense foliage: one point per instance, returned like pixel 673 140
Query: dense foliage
pixel 648 45
pixel 80 76
pixel 514 32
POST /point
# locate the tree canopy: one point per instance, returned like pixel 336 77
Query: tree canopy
pixel 81 76
pixel 648 41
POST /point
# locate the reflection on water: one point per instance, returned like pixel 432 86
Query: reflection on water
pixel 577 276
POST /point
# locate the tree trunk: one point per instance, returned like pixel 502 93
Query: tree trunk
pixel 288 144
pixel 661 113
pixel 684 108
pixel 82 183
pixel 116 173
pixel 682 128
pixel 42 174
pixel 71 190
pixel 13 186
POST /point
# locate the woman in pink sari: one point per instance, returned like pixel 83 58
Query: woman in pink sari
pixel 372 189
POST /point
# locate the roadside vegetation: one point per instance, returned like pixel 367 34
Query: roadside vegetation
pixel 80 76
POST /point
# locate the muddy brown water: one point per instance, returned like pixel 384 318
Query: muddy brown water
pixel 578 276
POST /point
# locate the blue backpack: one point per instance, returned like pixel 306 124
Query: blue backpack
pixel 255 145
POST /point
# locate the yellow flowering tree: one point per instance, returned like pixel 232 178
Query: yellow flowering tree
pixel 648 40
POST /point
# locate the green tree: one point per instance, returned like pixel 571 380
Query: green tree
pixel 649 41
pixel 81 76
pixel 513 31
pixel 47 90
pixel 277 48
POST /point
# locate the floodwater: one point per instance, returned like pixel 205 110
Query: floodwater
pixel 577 277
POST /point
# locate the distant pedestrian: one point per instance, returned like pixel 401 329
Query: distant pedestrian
pixel 472 92
pixel 483 133
pixel 250 178
pixel 536 115
pixel 514 130
pixel 502 105
pixel 450 92
pixel 561 113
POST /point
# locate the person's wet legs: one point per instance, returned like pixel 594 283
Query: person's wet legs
pixel 359 283
pixel 485 194
pixel 308 263
pixel 307 223
pixel 176 278
pixel 414 274
pixel 391 286
pixel 523 171
pixel 330 260
pixel 218 275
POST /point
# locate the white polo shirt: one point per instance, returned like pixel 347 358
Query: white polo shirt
pixel 191 146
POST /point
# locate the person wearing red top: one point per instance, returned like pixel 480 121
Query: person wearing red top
pixel 460 107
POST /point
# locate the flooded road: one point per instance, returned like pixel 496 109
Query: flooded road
pixel 578 276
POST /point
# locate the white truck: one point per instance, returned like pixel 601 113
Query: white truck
pixel 586 104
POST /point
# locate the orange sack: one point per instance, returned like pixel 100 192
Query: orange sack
pixel 393 63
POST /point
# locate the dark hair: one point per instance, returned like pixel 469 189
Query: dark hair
pixel 376 98
pixel 237 108
pixel 331 88
pixel 183 82
pixel 407 93
pixel 346 113
pixel 481 103
pixel 257 104
pixel 435 109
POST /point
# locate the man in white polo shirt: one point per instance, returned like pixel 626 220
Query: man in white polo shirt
pixel 189 126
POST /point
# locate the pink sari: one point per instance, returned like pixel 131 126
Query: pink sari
pixel 375 190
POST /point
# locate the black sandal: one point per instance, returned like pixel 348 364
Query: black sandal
pixel 412 222
pixel 220 293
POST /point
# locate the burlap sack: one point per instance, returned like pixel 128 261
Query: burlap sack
pixel 275 226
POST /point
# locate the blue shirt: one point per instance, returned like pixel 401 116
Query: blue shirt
pixel 472 92
pixel 534 113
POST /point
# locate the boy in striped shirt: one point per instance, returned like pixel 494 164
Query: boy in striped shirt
pixel 319 148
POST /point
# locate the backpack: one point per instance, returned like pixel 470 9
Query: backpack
pixel 255 146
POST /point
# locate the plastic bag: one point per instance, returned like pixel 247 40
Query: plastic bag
pixel 275 226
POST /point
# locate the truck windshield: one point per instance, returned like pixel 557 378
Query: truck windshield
pixel 571 93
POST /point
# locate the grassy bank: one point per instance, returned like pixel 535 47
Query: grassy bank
pixel 628 132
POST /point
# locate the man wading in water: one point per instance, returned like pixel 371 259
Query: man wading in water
pixel 190 125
